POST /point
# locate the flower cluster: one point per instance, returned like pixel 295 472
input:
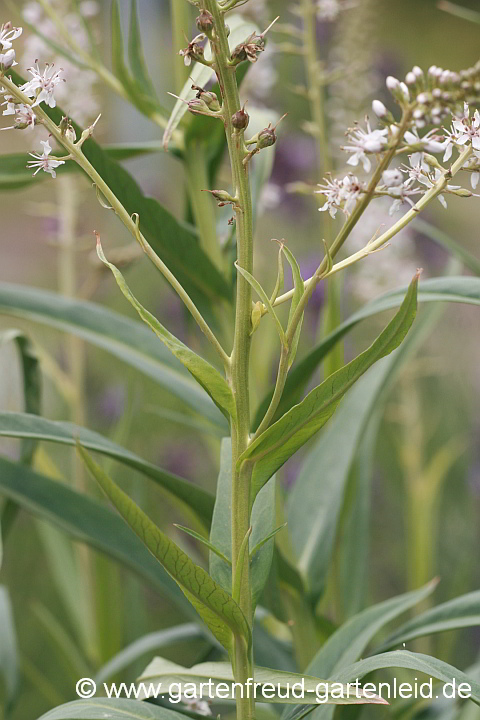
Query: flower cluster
pixel 405 185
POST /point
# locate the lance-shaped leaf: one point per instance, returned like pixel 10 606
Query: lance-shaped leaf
pixel 9 670
pixel 34 428
pixel 32 381
pixel 280 441
pixel 204 373
pixel 113 709
pixel 124 338
pixel 218 610
pixel 89 521
pixel 298 291
pixel 264 298
pixel 278 684
pixel 262 523
pixel 456 289
pixel 463 611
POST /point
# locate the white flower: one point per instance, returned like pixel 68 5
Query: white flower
pixel 392 178
pixel 24 115
pixel 44 161
pixel 362 142
pixel 474 179
pixel 418 173
pixel 42 85
pixel 7 60
pixel 464 130
pixel 8 34
pixel 340 194
pixel 429 143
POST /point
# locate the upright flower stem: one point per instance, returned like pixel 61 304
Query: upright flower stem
pixel 240 358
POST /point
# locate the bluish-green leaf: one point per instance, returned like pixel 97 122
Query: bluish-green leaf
pixel 262 522
pixel 204 373
pixel 460 289
pixel 281 440
pixel 86 520
pixel 9 664
pixel 128 340
pixel 100 708
pixel 21 425
pixel 218 610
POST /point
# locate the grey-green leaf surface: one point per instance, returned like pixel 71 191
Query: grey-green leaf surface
pixel 456 289
pixel 349 642
pixel 9 665
pixel 298 290
pixel 218 610
pixel 430 666
pixel 166 672
pixel 148 643
pixel 262 522
pixel 32 382
pixel 86 520
pixel 36 428
pixel 205 374
pixel 463 611
pixel 281 440
pixel 128 340
pixel 314 505
pixel 101 708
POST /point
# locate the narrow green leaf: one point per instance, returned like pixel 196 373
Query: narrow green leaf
pixel 99 708
pixel 146 644
pixel 280 281
pixel 128 340
pixel 118 57
pixel 204 373
pixel 280 441
pixel 430 666
pixel 166 672
pixel 461 289
pixel 314 507
pixel 461 612
pixel 35 428
pixel 136 54
pixel 217 609
pixel 63 645
pixel 205 542
pixel 459 11
pixel 32 382
pixel 9 665
pixel 89 521
pixel 270 536
pixel 262 522
pixel 176 243
pixel 298 291
pixel 264 298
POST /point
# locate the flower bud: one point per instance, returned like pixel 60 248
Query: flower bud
pixel 7 59
pixel 392 83
pixel 240 119
pixel 266 138
pixel 462 192
pixel 379 109
pixel 411 78
pixel 392 178
pixel 257 312
pixel 204 22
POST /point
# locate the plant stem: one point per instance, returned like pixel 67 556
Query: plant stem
pixel 75 153
pixel 240 358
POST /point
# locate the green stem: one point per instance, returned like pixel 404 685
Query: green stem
pixel 240 358
pixel 75 153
